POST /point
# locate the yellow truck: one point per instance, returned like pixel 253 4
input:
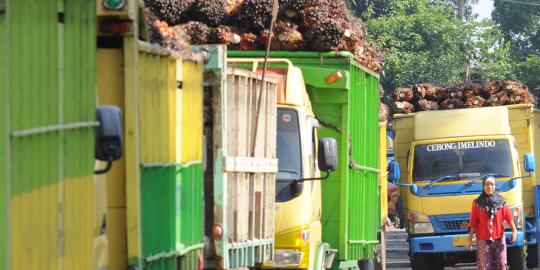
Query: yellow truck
pixel 443 156
pixel 331 223
pixel 151 203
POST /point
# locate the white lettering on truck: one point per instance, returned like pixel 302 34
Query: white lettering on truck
pixel 460 145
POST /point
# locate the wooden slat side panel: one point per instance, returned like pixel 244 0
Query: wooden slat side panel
pixel 249 134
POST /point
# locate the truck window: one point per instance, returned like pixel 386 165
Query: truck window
pixel 465 160
pixel 289 154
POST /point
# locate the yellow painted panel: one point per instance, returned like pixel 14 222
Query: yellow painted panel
pixel 116 233
pixel 520 121
pixel 157 77
pixel 383 174
pixel 36 243
pixel 34 229
pixel 401 151
pixel 536 141
pixel 110 77
pixel 78 227
pixel 519 126
pixel 406 122
pixel 132 146
pixel 520 113
pixel 192 103
pixel 110 91
pixel 460 123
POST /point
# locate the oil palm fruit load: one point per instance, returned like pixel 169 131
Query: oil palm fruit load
pixel 426 97
pixel 302 25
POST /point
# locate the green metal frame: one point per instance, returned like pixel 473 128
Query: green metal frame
pixel 4 135
pixel 171 214
pixel 348 111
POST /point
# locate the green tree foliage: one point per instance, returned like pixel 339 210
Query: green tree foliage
pixel 528 72
pixel 423 41
pixel 520 24
pixel 489 52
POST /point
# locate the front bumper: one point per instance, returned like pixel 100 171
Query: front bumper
pixel 444 243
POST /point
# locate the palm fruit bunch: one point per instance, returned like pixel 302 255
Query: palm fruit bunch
pixel 223 35
pixel 171 11
pixel 324 36
pixel 311 25
pixel 451 103
pixel 462 95
pixel 168 37
pixel 402 107
pixel 291 9
pixel 403 94
pixel 426 105
pixel 248 42
pixel 233 6
pixel 198 32
pixel 210 12
pixel 518 93
pixel 255 14
pixel 383 112
pixel 428 91
pixel 286 37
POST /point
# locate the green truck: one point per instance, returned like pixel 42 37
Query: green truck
pixel 344 97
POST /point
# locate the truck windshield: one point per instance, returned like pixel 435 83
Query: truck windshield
pixel 465 160
pixel 288 153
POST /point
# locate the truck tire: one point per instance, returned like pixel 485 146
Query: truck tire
pixel 426 261
pixel 532 256
pixel 367 264
pixel 516 258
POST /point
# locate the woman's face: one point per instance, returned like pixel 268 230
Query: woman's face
pixel 489 187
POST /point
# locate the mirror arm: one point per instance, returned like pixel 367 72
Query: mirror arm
pixel 106 169
pixel 521 177
pixel 313 179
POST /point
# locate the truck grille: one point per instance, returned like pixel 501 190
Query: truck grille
pixel 450 223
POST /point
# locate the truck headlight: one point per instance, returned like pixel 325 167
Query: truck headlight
pixel 517 214
pixel 419 223
pixel 421 227
pixel 286 258
pixel 417 217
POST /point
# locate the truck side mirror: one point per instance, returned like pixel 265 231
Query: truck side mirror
pixel 530 162
pixel 393 171
pixel 327 155
pixel 414 189
pixel 109 136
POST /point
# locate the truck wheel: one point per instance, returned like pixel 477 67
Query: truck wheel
pixel 516 258
pixel 366 264
pixel 426 261
pixel 532 256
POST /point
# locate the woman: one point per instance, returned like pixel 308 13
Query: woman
pixel 488 212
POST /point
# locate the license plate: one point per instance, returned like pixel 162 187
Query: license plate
pixel 461 241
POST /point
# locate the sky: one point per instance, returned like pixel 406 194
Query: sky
pixel 483 9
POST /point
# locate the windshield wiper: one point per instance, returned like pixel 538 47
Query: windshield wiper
pixel 446 177
pixel 286 179
pixel 287 171
pixel 483 176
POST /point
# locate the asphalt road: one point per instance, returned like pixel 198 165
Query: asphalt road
pixel 397 249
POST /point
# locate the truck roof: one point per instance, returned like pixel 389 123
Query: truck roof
pixel 460 122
